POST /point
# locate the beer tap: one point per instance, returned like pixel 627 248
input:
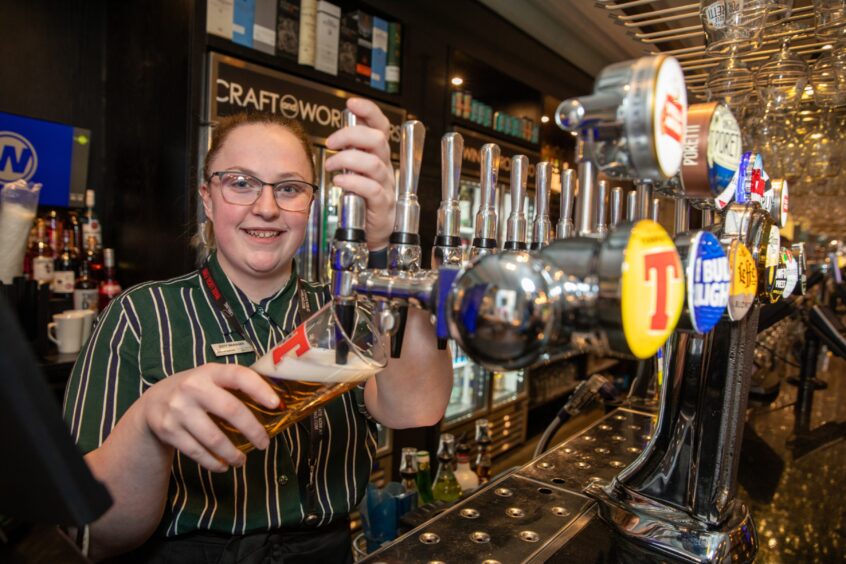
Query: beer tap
pixel 631 206
pixel 565 226
pixel 349 256
pixel 447 248
pixel 681 219
pixel 601 193
pixel 655 210
pixel 587 177
pixel 404 249
pixel 515 237
pixel 616 206
pixel 485 242
pixel 541 226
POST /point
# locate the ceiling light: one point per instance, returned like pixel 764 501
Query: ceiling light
pixel 457 81
pixel 544 119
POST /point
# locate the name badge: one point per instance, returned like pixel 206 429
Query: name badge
pixel 235 347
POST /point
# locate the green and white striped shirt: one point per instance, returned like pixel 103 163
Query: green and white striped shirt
pixel 157 329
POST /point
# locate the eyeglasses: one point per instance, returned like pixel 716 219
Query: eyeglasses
pixel 243 189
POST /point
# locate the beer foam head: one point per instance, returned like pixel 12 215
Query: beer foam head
pixel 315 365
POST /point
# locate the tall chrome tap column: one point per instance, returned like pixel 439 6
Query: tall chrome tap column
pixel 515 233
pixel 348 256
pixel 484 241
pixel 565 227
pixel 447 249
pixel 541 226
pixel 404 249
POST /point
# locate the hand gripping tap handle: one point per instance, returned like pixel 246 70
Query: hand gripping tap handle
pixel 447 248
pixel 484 241
pixel 565 227
pixel 515 239
pixel 541 226
pixel 349 257
pixel 404 250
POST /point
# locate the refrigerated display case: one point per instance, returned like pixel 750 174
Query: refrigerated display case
pixel 507 387
pixel 469 397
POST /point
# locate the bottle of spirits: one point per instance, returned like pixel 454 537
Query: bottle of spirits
pixel 109 286
pixel 85 290
pixel 74 225
pixel 41 255
pixel 90 224
pixel 408 469
pixel 424 478
pixel 483 448
pixel 446 486
pixel 467 479
pixel 93 257
pixel 65 267
pixel 54 231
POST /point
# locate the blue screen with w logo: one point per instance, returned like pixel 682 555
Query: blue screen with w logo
pixel 54 154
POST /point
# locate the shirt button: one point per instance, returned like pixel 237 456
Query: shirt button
pixel 282 480
pixel 311 519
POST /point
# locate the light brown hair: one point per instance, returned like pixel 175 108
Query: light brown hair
pixel 204 239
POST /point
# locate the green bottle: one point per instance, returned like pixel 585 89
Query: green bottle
pixel 446 486
pixel 424 478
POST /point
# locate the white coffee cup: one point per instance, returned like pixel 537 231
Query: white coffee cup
pixel 66 331
pixel 87 316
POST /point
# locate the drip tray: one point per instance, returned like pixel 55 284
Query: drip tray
pixel 508 521
pixel 596 454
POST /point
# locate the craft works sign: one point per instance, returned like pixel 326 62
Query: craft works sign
pixel 238 86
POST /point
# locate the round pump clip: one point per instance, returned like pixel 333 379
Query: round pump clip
pixel 712 150
pixel 707 279
pixel 651 293
pixel 744 280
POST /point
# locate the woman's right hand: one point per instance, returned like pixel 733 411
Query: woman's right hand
pixel 177 411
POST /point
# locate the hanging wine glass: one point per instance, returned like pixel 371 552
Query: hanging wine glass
pixel 828 77
pixel 730 82
pixel 830 19
pixel 781 80
pixel 732 25
pixel 779 11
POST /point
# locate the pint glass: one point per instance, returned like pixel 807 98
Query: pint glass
pixel 303 371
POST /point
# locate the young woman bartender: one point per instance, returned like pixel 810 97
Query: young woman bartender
pixel 142 394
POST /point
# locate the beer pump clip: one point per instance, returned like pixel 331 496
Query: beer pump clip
pixel 349 256
pixel 404 251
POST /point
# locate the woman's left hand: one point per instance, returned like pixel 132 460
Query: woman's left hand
pixel 364 154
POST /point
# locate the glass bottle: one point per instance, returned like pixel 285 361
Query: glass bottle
pixel 424 478
pixel 41 255
pixel 93 257
pixel 483 448
pixel 85 290
pixel 90 224
pixel 408 469
pixel 109 286
pixel 446 486
pixel 467 479
pixel 75 227
pixel 65 267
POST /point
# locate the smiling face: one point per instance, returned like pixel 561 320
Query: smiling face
pixel 257 243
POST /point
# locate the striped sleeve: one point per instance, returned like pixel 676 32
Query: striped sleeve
pixel 106 378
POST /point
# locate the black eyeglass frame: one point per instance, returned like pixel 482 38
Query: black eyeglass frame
pixel 219 173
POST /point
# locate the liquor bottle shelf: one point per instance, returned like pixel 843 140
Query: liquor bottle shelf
pixel 490 132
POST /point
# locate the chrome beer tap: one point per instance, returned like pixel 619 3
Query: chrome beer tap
pixel 616 206
pixel 541 226
pixel 565 226
pixel 484 241
pixel 404 249
pixel 447 248
pixel 631 206
pixel 349 256
pixel 601 221
pixel 515 234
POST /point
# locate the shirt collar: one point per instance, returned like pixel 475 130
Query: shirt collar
pixel 243 307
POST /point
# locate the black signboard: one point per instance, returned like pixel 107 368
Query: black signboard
pixel 471 158
pixel 238 86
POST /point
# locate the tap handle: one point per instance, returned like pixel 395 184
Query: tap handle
pixel 631 206
pixel 541 225
pixel 411 155
pixel 616 206
pixel 602 192
pixel 568 188
pixel 452 148
pixel 655 209
pixel 486 220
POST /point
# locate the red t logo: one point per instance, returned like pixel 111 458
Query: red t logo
pixel 661 263
pixel 296 341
